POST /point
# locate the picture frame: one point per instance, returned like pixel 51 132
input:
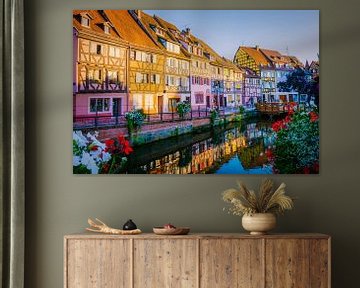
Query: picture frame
pixel 147 80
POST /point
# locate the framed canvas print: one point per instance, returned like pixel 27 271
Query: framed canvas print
pixel 181 92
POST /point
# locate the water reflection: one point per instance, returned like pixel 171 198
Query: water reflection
pixel 235 149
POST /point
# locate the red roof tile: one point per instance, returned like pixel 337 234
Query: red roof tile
pixel 129 29
pixel 256 54
pixel 149 21
pixel 97 21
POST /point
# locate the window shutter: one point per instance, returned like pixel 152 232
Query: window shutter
pixel 138 77
pixel 93 47
pixel 157 79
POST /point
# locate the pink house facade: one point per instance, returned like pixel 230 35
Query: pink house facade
pixel 200 91
pixel 252 89
pixel 99 71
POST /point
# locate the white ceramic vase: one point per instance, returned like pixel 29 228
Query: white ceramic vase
pixel 259 223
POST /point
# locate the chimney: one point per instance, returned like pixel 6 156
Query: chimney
pixel 257 47
pixel 138 14
pixel 188 31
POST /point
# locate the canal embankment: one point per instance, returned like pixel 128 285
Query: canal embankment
pixel 153 132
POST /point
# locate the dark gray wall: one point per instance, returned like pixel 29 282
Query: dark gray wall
pixel 59 203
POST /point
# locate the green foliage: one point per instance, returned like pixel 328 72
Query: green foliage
pixel 135 119
pixel 183 108
pixel 185 157
pixel 81 169
pixel 238 118
pixel 214 114
pixel 297 144
pixel 242 110
pixel 301 81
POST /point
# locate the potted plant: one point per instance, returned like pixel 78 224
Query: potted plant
pixel 258 210
pixel 183 108
pixel 135 119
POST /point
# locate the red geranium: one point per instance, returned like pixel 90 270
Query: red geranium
pixel 106 168
pixel 118 145
pixel 269 154
pixel 287 119
pixel 94 148
pixel 109 145
pixel 316 167
pixel 313 116
pixel 306 170
pixel 278 125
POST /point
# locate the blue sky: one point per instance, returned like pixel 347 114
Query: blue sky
pixel 293 32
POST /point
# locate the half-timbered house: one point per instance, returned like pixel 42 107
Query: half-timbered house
pixel 146 63
pixel 272 67
pixel 200 81
pixel 251 88
pixel 226 79
pixel 233 82
pixel 177 62
pixel 99 71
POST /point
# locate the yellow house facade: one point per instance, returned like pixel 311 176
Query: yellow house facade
pixel 145 66
pixel 199 64
pixel 176 64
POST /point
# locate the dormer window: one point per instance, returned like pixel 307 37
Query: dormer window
pixel 106 27
pixel 158 30
pixel 176 33
pixel 172 47
pixel 85 21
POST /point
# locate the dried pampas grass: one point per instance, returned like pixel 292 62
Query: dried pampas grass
pixel 245 201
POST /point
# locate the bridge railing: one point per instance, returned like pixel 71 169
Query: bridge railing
pixel 279 108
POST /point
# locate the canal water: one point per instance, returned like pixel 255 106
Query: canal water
pixel 237 148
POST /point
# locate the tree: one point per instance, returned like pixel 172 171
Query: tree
pixel 301 80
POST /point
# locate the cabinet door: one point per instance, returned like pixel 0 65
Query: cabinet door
pixel 287 263
pixel 98 263
pixel 167 263
pixel 320 263
pixel 231 263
